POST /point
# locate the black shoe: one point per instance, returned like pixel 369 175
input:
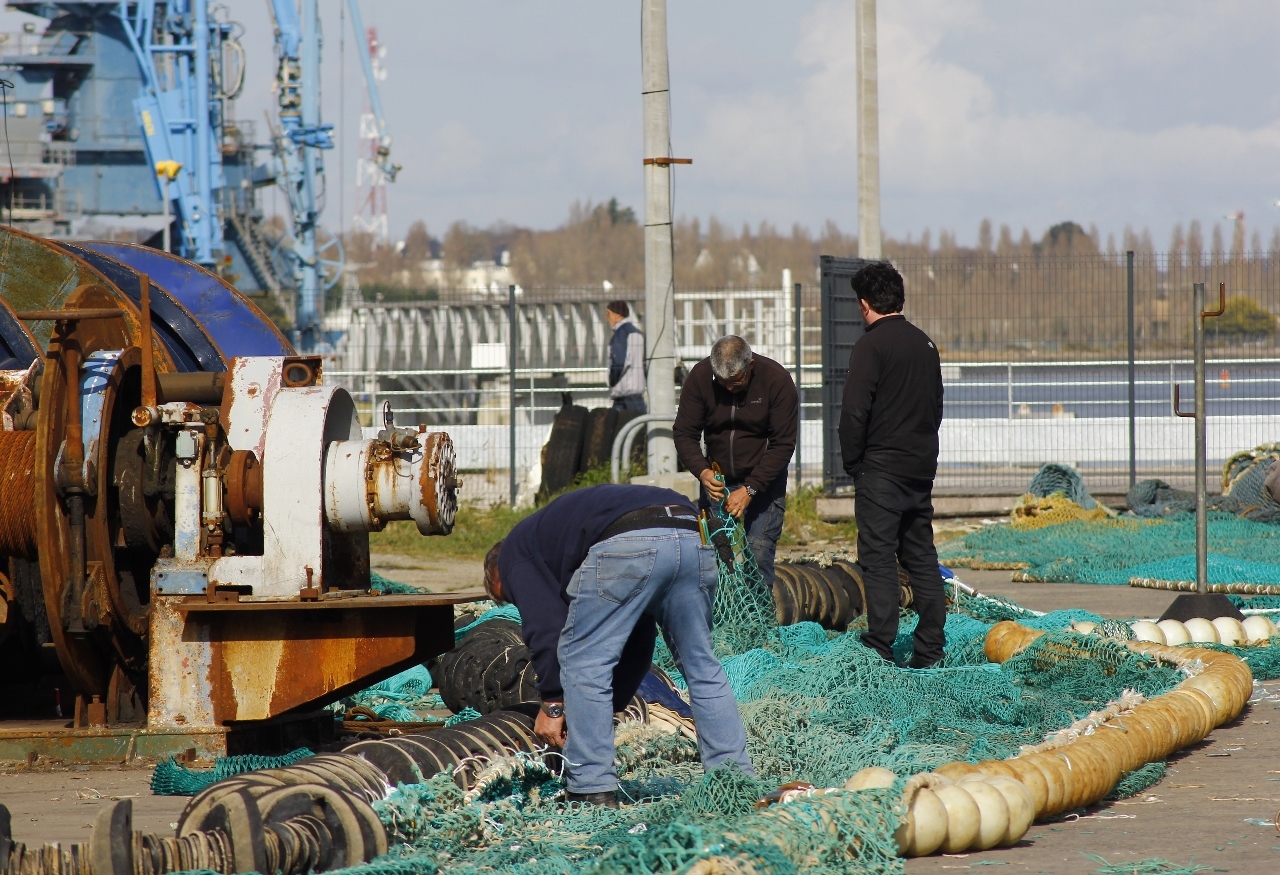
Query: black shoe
pixel 923 665
pixel 606 799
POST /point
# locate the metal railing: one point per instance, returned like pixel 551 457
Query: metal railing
pixel 1035 367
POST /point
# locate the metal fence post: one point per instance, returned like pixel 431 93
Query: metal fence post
pixel 799 387
pixel 1133 426
pixel 511 384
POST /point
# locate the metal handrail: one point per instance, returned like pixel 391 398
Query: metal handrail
pixel 626 437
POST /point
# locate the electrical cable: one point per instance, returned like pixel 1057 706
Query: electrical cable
pixel 5 85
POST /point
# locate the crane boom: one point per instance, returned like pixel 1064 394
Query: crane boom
pixel 384 164
pixel 297 146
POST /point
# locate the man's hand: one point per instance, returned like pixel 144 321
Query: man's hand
pixel 715 489
pixel 550 729
pixel 737 503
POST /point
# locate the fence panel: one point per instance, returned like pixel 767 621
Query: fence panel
pixel 1034 350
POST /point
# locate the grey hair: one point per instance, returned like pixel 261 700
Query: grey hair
pixel 730 356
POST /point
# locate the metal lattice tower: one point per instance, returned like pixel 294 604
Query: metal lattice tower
pixel 371 174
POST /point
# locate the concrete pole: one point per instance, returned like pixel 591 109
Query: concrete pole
pixel 659 288
pixel 868 133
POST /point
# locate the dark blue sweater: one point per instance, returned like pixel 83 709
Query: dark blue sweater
pixel 543 551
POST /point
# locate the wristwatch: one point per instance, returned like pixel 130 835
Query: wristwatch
pixel 751 490
pixel 554 710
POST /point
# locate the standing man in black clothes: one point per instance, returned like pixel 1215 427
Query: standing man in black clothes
pixel 745 407
pixel 889 441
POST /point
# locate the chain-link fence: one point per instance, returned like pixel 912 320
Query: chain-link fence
pixel 1035 354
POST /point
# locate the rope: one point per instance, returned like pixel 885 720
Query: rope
pixel 17 492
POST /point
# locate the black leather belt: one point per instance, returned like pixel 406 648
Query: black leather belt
pixel 661 516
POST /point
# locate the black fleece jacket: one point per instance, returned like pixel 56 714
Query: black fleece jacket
pixel 751 434
pixel 892 402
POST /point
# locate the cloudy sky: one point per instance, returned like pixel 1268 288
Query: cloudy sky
pixel 1142 113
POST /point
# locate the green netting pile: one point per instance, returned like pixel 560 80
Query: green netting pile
pixel 1057 479
pixel 1243 477
pixel 1112 551
pixel 818 706
pixel 171 778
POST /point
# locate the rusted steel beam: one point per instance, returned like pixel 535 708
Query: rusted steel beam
pixel 332 602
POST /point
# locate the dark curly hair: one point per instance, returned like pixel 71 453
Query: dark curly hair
pixel 880 285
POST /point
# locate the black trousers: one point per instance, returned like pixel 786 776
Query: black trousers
pixel 895 524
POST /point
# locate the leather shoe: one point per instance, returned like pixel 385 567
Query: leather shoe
pixel 607 798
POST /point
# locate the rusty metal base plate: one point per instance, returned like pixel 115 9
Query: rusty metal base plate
pixel 49 740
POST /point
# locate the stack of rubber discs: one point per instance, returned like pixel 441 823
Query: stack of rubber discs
pixel 331 791
pixel 563 449
pixel 463 749
pixel 487 670
pixel 832 596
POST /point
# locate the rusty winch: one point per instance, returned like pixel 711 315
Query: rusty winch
pixel 185 503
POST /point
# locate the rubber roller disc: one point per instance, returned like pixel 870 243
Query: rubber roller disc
pixel 373 780
pixel 520 729
pixel 236 814
pixel 252 783
pixel 493 747
pixel 826 598
pixel 335 810
pixel 854 570
pixel 423 755
pixel 431 758
pixel 397 765
pixel 840 596
pixel 322 774
pixel 814 594
pixel 510 739
pixel 786 604
pixel 450 740
pixel 444 755
pixel 847 594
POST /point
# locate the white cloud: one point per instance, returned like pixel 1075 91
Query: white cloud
pixel 955 147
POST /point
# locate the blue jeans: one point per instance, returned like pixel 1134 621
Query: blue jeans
pixel 630 402
pixel 665 573
pixel 763 523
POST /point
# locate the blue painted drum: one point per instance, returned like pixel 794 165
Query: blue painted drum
pixel 236 325
pixel 176 327
pixel 18 349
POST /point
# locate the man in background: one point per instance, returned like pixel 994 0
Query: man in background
pixel 745 406
pixel 626 359
pixel 889 443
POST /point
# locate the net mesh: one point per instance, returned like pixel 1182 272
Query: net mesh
pixel 171 778
pixel 1112 551
pixel 818 706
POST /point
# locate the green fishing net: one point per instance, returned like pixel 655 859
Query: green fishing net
pixel 171 778
pixel 818 706
pixel 1112 551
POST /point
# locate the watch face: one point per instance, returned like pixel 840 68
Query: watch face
pixel 553 710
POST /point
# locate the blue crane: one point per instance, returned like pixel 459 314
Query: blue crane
pixel 175 44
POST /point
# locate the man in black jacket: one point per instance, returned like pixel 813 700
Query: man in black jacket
pixel 745 406
pixel 889 441
pixel 591 574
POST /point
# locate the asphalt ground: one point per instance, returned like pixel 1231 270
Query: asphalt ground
pixel 1216 807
